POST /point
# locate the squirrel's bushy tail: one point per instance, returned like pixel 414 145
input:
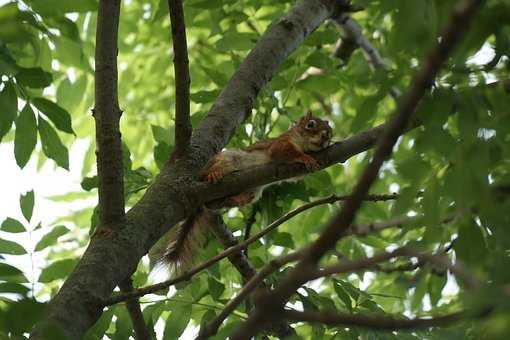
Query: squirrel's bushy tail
pixel 177 249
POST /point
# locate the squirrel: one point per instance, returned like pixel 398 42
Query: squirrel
pixel 309 134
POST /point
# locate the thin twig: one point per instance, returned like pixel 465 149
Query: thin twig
pixel 182 80
pixel 439 260
pixel 379 322
pixel 212 327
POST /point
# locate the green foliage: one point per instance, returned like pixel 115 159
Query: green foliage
pixel 456 164
pixel 52 145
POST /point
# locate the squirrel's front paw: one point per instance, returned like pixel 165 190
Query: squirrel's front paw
pixel 214 176
pixel 310 163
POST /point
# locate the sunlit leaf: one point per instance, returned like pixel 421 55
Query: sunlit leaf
pixel 26 136
pixel 51 144
pixel 8 107
pixel 58 116
pixel 51 238
pixel 57 270
pixel 11 248
pixel 11 225
pixel 34 77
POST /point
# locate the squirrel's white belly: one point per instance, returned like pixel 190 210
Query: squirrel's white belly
pixel 244 160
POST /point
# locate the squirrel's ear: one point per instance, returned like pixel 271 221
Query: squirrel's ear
pixel 308 114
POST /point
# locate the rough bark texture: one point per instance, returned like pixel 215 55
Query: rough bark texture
pixel 107 115
pixel 109 260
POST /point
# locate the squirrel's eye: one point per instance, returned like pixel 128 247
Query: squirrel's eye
pixel 311 124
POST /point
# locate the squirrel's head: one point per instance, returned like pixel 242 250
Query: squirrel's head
pixel 315 133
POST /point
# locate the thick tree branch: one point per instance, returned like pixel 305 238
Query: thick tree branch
pixel 182 79
pixel 275 301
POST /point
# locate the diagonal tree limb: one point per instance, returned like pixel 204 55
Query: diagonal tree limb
pixel 275 301
pixel 182 80
pixel 174 195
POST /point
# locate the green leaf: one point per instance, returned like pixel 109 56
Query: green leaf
pixel 216 288
pixel 70 95
pixel 57 270
pixel 26 203
pixel 204 4
pixel 236 41
pixel 89 183
pixel 11 274
pixel 431 203
pixel 343 295
pixel 60 117
pixel 419 293
pixel 14 288
pixel 101 326
pixel 25 138
pixel 21 316
pixel 162 152
pixel 323 84
pixel 218 77
pixel 51 237
pixel 436 285
pixel 162 134
pixel 283 239
pixel 60 7
pixel 123 327
pixel 177 321
pixel 69 52
pixel 11 248
pixel 34 77
pixel 11 225
pixel 470 243
pixel 8 108
pixel 204 97
pixel 51 144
